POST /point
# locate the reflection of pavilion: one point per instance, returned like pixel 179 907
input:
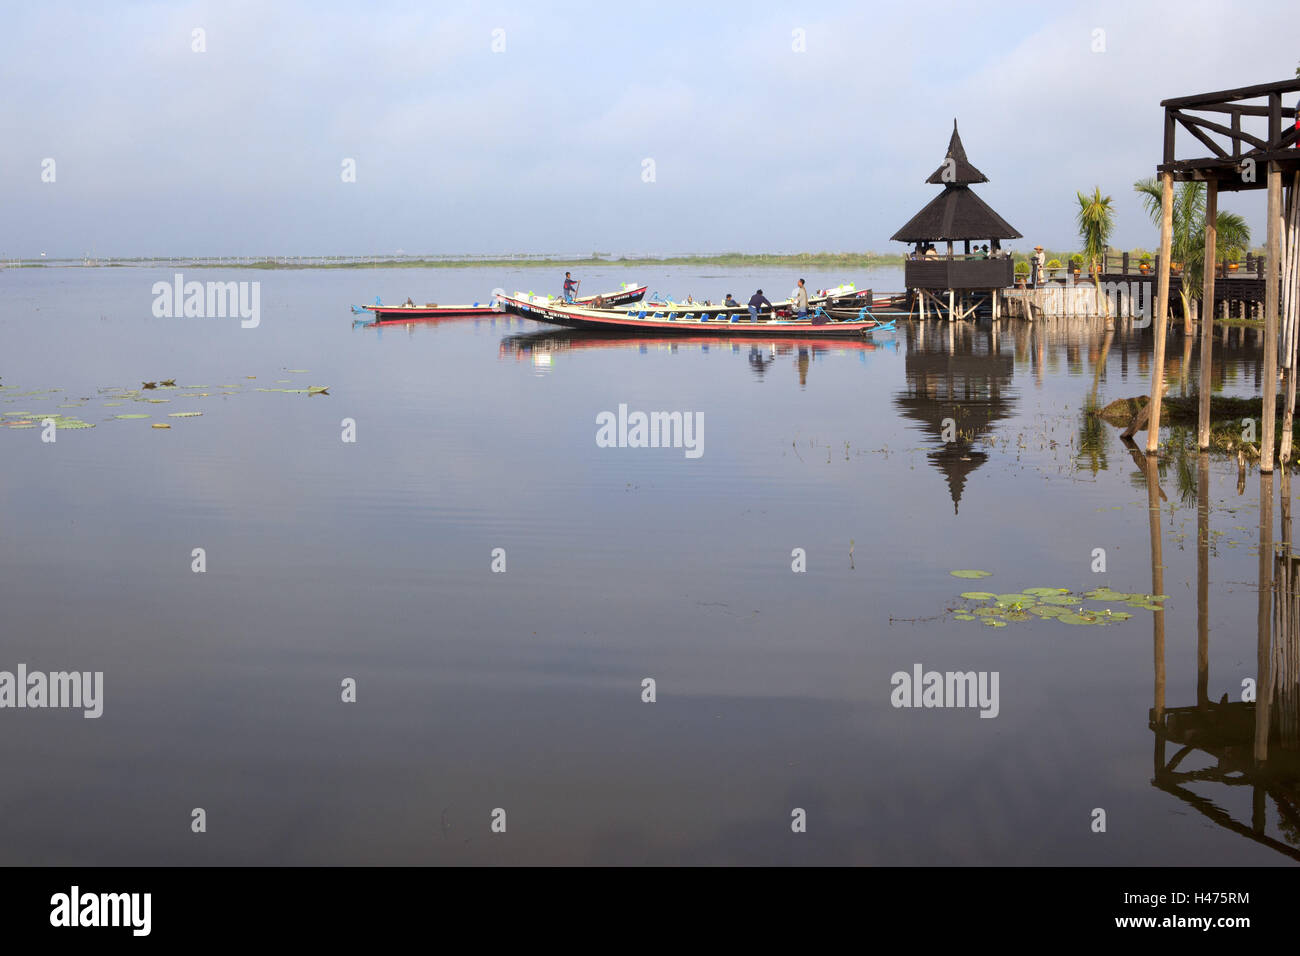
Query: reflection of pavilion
pixel 1248 744
pixel 958 375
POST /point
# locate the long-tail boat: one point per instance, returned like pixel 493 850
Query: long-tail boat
pixel 432 310
pixel 679 320
pixel 844 296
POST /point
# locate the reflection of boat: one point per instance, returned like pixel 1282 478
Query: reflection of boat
pixel 572 340
pixel 689 320
pixel 430 310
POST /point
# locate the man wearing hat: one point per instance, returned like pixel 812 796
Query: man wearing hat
pixel 1037 261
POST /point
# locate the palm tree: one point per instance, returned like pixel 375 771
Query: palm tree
pixel 1188 246
pixel 1096 221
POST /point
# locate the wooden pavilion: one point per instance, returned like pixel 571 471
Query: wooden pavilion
pixel 957 215
pixel 1251 142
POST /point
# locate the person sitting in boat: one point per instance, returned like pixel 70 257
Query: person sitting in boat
pixel 801 299
pixel 570 287
pixel 756 302
pixel 690 299
pixel 730 302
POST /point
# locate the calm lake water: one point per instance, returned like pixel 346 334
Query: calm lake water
pixel 523 691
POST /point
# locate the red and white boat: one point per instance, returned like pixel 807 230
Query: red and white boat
pixel 431 310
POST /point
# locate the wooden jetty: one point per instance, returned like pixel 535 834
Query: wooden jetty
pixel 1251 141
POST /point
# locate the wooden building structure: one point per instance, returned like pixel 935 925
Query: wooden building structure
pixel 1244 139
pixel 957 215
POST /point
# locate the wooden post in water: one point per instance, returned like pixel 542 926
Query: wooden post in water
pixel 1272 276
pixel 1288 316
pixel 1207 324
pixel 1162 309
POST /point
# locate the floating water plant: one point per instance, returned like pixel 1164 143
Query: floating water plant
pixel 970 574
pixel 1058 604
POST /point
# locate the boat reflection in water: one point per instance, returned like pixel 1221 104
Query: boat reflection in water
pixel 541 346
pixel 1251 744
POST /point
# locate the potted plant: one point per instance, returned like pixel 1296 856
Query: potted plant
pixel 1144 264
pixel 1022 273
pixel 1231 255
pixel 1076 263
pixel 1052 266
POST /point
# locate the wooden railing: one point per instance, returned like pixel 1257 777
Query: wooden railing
pixel 1122 263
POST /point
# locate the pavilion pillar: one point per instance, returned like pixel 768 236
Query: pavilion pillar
pixel 1162 310
pixel 1207 323
pixel 1272 277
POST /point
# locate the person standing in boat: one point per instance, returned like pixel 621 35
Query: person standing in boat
pixel 801 299
pixel 570 287
pixel 756 302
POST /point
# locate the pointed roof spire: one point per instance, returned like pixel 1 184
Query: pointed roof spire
pixel 956 168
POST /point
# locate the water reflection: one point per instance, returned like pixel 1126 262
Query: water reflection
pixel 1251 744
pixel 761 356
pixel 958 385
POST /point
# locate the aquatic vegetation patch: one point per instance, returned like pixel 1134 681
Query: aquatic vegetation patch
pixel 1052 604
pixel 970 574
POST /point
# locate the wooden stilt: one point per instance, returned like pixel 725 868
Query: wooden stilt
pixel 1272 276
pixel 1207 327
pixel 1162 309
pixel 1291 228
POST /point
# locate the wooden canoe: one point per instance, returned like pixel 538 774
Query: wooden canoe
pixel 405 313
pixel 666 321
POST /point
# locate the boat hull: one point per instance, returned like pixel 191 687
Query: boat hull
pixel 732 325
pixel 403 313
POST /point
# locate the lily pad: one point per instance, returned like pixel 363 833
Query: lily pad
pixel 979 595
pixel 131 416
pixel 964 617
pixel 1044 592
pixel 994 623
pixel 1063 600
pixel 184 414
pixel 160 425
pixel 970 574
pixel 1046 610
pixel 1071 618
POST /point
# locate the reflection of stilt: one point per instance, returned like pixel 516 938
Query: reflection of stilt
pixel 1202 579
pixel 1263 673
pixel 1151 467
pixel 1244 746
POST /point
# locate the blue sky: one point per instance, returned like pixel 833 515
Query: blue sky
pixel 238 150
